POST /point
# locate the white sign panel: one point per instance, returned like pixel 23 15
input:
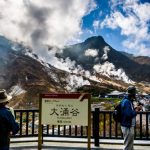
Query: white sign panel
pixel 65 109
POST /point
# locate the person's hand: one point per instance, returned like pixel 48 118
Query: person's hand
pixel 138 108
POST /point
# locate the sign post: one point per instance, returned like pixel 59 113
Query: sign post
pixel 89 123
pixel 64 109
pixel 40 125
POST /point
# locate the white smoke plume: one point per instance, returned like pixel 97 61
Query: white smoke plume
pixel 76 81
pixel 106 50
pixel 109 70
pixel 16 90
pixel 91 52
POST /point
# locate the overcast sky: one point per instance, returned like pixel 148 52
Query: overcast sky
pixel 124 24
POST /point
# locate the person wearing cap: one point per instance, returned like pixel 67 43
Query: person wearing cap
pixel 129 117
pixel 8 125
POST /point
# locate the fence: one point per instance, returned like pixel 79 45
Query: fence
pixel 103 126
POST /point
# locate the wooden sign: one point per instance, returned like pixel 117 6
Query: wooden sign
pixel 64 109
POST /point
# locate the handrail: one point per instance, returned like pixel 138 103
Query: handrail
pixel 108 129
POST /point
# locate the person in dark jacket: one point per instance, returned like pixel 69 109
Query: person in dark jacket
pixel 8 125
pixel 129 117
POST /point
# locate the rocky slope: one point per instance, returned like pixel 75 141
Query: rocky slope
pixel 25 76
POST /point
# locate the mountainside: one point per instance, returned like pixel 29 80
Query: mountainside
pixel 142 60
pixel 25 76
pixel 106 56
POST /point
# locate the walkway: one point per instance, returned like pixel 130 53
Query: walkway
pixel 72 145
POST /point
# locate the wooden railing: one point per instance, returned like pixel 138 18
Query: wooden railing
pixel 103 126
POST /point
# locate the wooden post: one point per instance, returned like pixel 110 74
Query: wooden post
pixel 40 125
pixel 89 122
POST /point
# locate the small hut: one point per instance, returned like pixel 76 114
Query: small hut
pixel 116 94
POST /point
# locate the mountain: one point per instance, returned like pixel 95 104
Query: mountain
pixel 135 68
pixel 24 75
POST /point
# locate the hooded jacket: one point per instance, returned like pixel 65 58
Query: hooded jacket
pixel 128 112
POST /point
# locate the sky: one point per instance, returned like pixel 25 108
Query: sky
pixel 124 24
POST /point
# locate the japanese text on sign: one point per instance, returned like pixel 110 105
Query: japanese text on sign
pixel 64 112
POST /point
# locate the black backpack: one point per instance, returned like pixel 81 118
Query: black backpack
pixel 117 113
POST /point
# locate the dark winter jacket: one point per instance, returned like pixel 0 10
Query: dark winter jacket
pixel 7 125
pixel 128 112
